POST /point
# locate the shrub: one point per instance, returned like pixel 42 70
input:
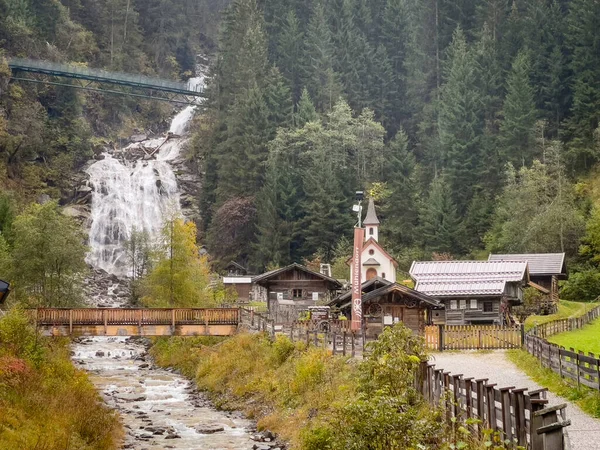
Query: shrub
pixel 582 286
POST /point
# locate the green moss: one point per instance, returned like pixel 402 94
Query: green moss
pixel 587 399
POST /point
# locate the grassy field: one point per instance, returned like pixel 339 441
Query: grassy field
pixel 587 399
pixel 566 310
pixel 585 339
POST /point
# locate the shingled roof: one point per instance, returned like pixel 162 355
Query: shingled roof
pixel 371 218
pixel 539 263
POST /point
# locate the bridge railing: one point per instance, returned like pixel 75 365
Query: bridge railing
pixel 122 316
pixel 48 67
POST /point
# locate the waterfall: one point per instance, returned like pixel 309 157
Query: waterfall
pixel 130 194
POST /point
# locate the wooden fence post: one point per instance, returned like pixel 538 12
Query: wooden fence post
pixel 441 337
pixel 344 343
pixel 519 409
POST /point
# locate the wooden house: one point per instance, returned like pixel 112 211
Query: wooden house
pixel 238 279
pixel 386 303
pixel 545 269
pixel 293 288
pixel 473 292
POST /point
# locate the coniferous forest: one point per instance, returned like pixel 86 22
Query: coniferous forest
pixel 473 123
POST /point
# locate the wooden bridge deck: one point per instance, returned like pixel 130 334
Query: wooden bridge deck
pixel 136 322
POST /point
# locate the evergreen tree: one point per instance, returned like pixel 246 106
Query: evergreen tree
pixel 305 111
pixel 440 225
pixel 584 45
pixel 318 73
pixel 517 140
pixel 461 122
pixel 289 53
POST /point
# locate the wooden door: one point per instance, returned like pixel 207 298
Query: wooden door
pixel 371 273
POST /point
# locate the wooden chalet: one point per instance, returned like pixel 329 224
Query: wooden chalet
pixel 293 288
pixel 473 292
pixel 545 269
pixel 238 279
pixel 386 303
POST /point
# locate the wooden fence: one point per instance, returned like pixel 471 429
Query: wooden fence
pixel 572 364
pixel 559 326
pixel 473 337
pixel 122 316
pixel 520 417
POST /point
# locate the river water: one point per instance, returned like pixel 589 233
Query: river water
pixel 159 408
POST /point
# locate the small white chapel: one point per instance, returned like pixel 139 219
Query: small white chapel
pixel 375 261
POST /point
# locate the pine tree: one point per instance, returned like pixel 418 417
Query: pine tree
pixel 305 110
pixel 584 45
pixel 440 226
pixel 461 123
pixel 318 73
pixel 278 100
pixel 517 140
pixel 289 53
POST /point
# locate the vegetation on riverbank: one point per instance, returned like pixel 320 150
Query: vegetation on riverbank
pixel 45 402
pixel 315 400
pixel 584 339
pixel 566 309
pixel 587 399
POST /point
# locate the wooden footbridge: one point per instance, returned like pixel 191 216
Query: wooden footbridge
pixel 81 77
pixel 136 322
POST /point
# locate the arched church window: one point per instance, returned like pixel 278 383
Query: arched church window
pixel 371 231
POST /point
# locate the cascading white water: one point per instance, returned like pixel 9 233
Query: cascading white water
pixel 130 195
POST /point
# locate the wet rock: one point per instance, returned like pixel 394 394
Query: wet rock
pixel 99 353
pixel 138 137
pixel 172 436
pixel 210 428
pixel 144 366
pixel 132 397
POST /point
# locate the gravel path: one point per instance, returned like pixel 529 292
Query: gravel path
pixel 584 431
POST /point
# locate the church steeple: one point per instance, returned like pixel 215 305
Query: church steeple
pixel 371 222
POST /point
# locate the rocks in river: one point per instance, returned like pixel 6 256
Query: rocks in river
pixel 172 436
pixel 210 428
pixel 131 397
pixel 99 354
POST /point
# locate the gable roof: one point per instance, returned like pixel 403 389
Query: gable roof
pixel 376 244
pixel 404 290
pixel 539 263
pixel 452 288
pixel 367 286
pixel 510 271
pixel 237 266
pixel 371 218
pixel 273 273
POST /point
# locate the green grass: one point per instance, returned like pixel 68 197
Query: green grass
pixel 587 399
pixel 566 309
pixel 585 339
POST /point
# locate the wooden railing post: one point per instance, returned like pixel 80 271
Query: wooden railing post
pixel 70 322
pixel 105 320
pixel 173 322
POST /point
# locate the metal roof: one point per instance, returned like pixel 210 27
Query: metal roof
pixel 465 271
pixel 371 262
pixel 539 263
pixel 461 287
pixel 371 218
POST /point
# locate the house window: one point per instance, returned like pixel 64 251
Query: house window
pixel 473 303
pixel 488 307
pixel 371 231
pixel 463 304
pixel 297 293
pixel 383 275
pixel 453 304
pixel 371 252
